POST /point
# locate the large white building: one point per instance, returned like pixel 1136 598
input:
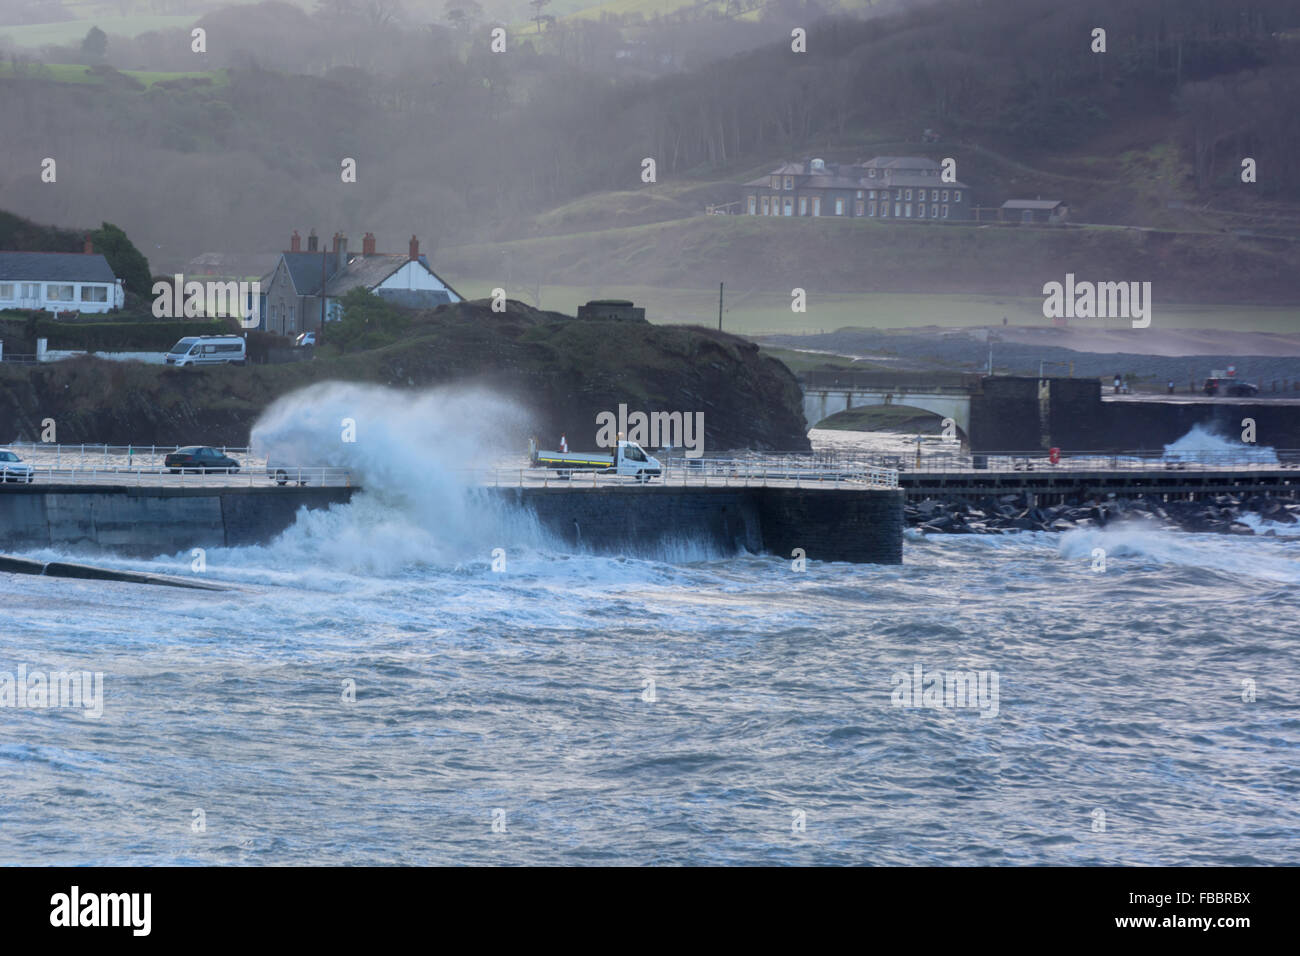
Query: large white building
pixel 59 282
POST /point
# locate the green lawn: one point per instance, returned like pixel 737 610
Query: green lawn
pixel 759 313
pixel 38 35
pixel 77 73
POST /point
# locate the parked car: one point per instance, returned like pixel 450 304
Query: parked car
pixel 208 350
pixel 282 473
pixel 304 339
pixel 1228 386
pixel 199 459
pixel 13 468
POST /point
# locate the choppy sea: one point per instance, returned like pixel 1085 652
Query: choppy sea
pixel 376 687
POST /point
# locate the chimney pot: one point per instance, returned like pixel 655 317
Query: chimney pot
pixel 313 244
pixel 368 244
pixel 295 242
pixel 88 247
pixel 415 249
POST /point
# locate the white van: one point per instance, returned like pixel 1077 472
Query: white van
pixel 207 350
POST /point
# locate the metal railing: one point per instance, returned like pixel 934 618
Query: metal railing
pixel 88 455
pixel 952 461
pixel 779 471
pixel 141 475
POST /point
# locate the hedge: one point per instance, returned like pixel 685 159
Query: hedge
pixel 126 336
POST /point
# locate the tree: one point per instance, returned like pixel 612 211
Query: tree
pixel 368 322
pixel 537 12
pixel 95 43
pixel 126 261
pixel 463 14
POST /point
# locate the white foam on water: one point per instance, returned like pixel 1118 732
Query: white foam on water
pixel 1227 554
pixel 1203 444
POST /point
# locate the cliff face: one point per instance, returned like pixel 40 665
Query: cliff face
pixel 564 370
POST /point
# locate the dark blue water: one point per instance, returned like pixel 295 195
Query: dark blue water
pixel 520 696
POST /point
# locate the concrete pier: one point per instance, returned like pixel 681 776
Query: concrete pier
pixel 835 523
pixel 831 523
pixel 147 521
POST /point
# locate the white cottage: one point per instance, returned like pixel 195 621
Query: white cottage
pixel 59 282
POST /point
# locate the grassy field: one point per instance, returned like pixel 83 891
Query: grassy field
pixel 68 32
pixel 759 313
pixel 76 73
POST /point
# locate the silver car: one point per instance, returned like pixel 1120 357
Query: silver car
pixel 13 468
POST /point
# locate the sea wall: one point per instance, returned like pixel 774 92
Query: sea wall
pixel 830 524
pixel 143 522
pixel 1015 413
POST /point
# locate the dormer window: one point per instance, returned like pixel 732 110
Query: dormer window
pixel 789 182
pixel 776 182
pixel 871 173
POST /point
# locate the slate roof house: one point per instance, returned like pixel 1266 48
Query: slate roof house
pixel 59 281
pixel 293 291
pixel 1034 210
pixel 886 187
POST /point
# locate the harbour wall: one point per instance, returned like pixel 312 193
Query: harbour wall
pixel 828 524
pixel 143 522
pixel 1011 413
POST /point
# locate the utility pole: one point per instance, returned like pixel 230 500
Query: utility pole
pixel 719 306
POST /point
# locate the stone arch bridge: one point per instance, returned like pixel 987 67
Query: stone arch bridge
pixel 831 392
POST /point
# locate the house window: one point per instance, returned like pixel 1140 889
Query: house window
pixel 776 182
pixel 898 209
pixel 94 293
pixel 59 293
pixel 753 205
pixel 871 174
pixel 871 194
pixel 789 182
pixel 871 208
pixel 839 207
pixel 765 202
pixel 934 211
pixel 934 195
pixel 956 195
pixel 884 210
pixel 31 290
pixel 6 290
pixel 789 206
pixel 909 195
pixel 945 195
pixel 907 210
pixel 859 193
pixel 803 205
pixel 857 208
pixel 817 205
pixel 898 194
pixel 944 209
pixel 920 211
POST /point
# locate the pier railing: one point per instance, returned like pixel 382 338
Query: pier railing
pixel 700 473
pixel 945 461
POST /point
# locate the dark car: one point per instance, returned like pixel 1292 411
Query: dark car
pixel 199 458
pixel 1213 386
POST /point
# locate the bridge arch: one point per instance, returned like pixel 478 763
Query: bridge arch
pixel 822 403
